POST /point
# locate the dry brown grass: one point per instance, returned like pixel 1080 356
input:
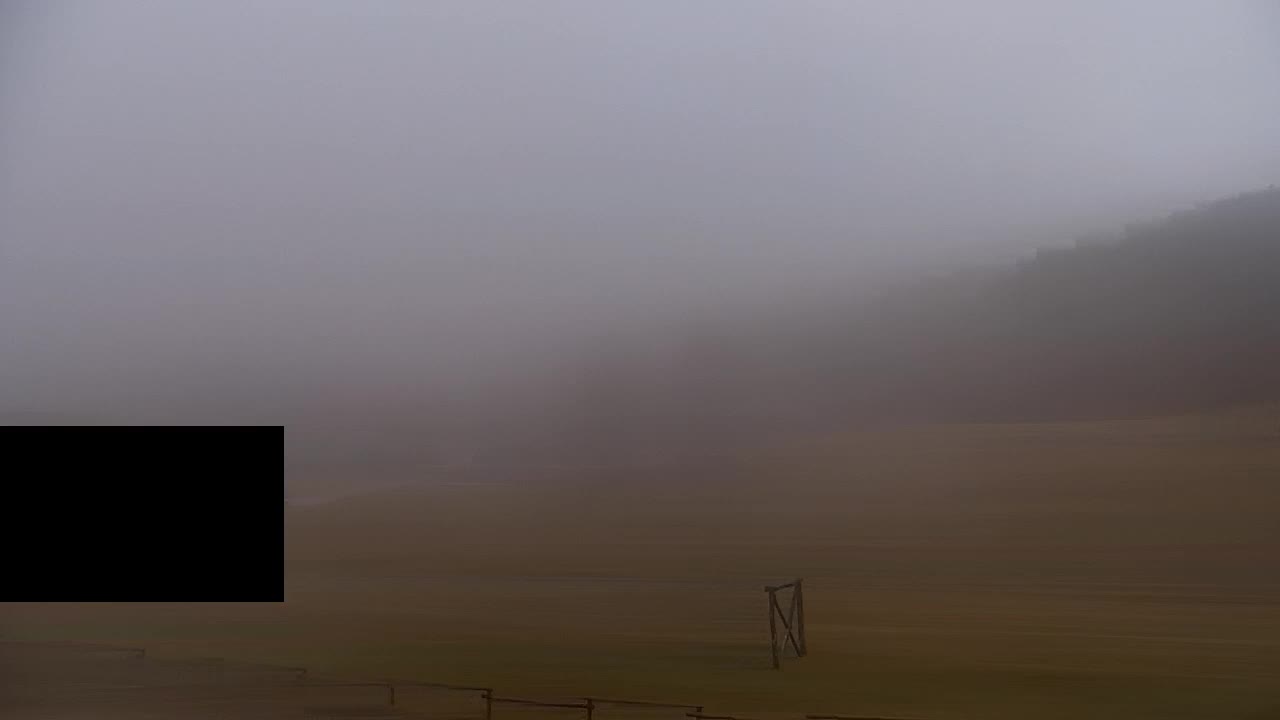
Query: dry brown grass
pixel 1121 569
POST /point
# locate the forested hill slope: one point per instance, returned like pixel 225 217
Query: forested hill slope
pixel 1175 315
pixel 1170 316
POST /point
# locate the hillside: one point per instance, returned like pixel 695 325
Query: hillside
pixel 1177 315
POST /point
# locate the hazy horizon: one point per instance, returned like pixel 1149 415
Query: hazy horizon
pixel 241 211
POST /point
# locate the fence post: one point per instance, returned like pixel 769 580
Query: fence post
pixel 804 644
pixel 773 628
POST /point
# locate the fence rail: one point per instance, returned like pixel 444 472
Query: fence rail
pixel 80 687
pixel 851 717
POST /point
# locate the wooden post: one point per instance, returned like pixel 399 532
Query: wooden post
pixel 773 628
pixel 591 706
pixel 488 704
pixel 804 644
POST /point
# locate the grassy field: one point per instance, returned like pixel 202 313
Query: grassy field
pixel 1108 570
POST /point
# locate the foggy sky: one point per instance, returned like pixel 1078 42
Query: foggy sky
pixel 226 207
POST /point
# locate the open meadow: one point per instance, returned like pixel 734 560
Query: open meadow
pixel 1121 569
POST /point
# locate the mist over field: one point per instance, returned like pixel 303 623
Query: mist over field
pixel 969 313
pixel 433 216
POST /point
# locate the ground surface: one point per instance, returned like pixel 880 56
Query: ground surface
pixel 1109 570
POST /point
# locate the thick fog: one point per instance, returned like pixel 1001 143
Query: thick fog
pixel 247 211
